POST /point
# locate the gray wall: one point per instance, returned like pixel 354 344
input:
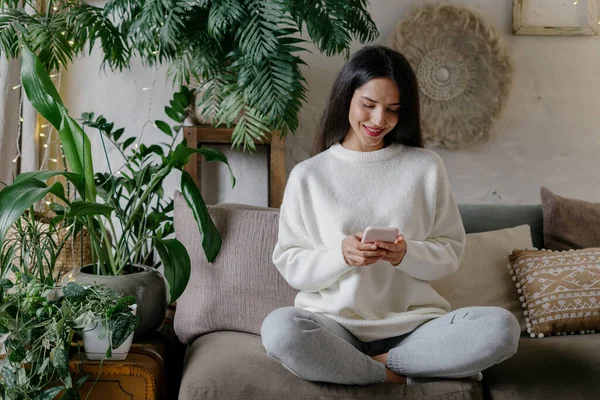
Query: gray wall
pixel 547 135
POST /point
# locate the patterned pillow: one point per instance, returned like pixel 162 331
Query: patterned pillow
pixel 560 291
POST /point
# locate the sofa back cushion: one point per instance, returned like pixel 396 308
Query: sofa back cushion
pixel 242 286
pixel 482 278
pixel 569 223
pixel 490 217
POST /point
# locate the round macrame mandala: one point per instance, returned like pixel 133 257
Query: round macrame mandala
pixel 463 70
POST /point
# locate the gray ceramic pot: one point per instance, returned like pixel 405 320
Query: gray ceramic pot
pixel 147 285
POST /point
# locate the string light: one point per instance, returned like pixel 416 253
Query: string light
pixel 147 88
pixel 54 160
pixel 16 87
pixel 42 134
pixel 44 126
pixel 575 2
pixel 55 8
pixel 21 119
pixel 15 159
pixel 48 203
pixel 53 75
pixel 71 42
pixel 46 145
pixel 155 52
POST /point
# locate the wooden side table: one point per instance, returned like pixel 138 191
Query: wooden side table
pixel 199 135
pixel 142 376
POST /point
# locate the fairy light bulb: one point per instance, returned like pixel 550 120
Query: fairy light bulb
pixel 15 159
pixel 16 87
pixel 42 134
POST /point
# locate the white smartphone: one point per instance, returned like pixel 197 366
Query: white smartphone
pixel 379 234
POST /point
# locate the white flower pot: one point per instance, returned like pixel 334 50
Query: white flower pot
pixel 95 348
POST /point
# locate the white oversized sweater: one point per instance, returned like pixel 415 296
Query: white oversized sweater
pixel 340 192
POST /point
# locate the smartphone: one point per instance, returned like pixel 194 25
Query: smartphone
pixel 379 234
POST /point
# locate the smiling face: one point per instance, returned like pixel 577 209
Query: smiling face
pixel 373 114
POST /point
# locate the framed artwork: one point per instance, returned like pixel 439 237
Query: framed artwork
pixel 555 17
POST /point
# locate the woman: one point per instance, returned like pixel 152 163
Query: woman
pixel 366 313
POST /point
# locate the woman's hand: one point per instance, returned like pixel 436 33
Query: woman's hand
pixel 360 254
pixel 394 252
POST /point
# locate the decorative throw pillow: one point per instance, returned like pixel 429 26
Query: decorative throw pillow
pixel 560 291
pixel 242 286
pixel 569 223
pixel 481 278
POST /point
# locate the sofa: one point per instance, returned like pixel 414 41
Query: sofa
pixel 218 317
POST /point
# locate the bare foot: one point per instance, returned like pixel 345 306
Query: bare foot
pixel 392 377
pixel 381 358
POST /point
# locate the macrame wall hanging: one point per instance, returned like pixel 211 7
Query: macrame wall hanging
pixel 463 70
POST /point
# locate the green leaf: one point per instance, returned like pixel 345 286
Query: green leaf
pixel 163 126
pixel 117 134
pixel 181 156
pixel 172 114
pixel 50 394
pixel 74 291
pixel 81 381
pixel 128 142
pixel 17 354
pixel 45 99
pixel 78 152
pixel 83 208
pixel 75 179
pixel 123 326
pixel 70 394
pixel 6 284
pixel 39 87
pixel 176 261
pixel 18 197
pixel 60 361
pixel 211 238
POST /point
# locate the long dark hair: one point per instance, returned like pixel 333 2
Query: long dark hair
pixel 369 63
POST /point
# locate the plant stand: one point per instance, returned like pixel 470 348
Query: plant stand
pixel 142 376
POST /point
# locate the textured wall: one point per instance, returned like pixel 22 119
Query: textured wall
pixel 547 135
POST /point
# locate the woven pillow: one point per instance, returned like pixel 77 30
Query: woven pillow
pixel 560 291
pixel 481 278
pixel 242 286
pixel 569 223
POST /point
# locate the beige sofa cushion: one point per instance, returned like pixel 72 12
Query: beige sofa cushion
pixel 569 223
pixel 482 278
pixel 242 286
pixel 560 289
pixel 235 366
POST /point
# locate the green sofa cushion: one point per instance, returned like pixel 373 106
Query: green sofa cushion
pixel 490 217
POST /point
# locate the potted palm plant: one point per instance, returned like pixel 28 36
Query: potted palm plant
pixel 244 52
pixel 101 199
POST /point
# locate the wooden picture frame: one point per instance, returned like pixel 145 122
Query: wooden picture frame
pixel 520 26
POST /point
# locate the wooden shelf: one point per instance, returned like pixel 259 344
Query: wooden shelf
pixel 200 135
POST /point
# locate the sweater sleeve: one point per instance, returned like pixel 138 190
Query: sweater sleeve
pixel 303 264
pixel 439 255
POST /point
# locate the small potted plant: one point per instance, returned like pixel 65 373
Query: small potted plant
pixel 105 318
pixel 38 336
